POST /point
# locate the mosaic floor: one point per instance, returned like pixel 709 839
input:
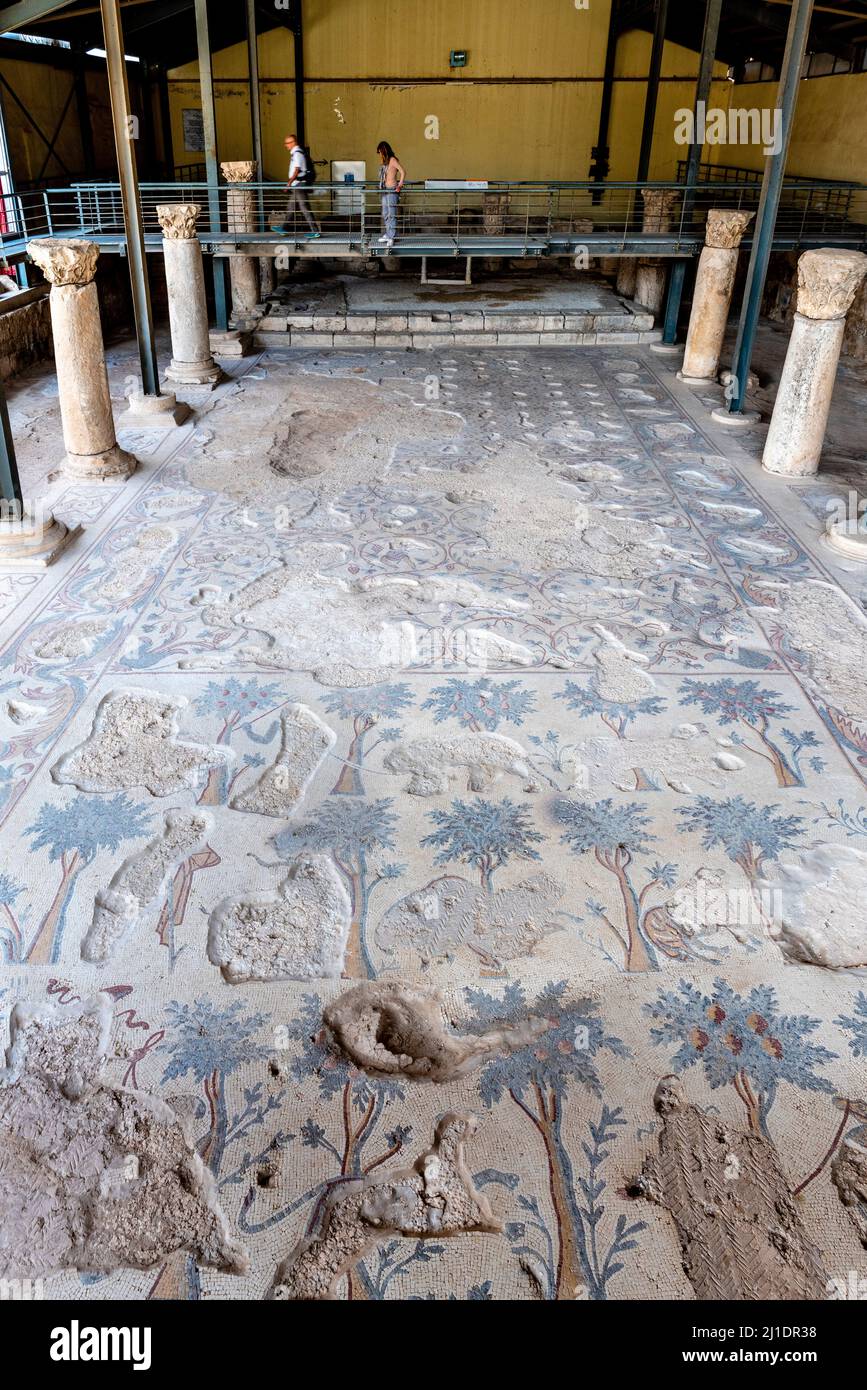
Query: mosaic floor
pixel 547 646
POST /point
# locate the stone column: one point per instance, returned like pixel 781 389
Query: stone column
pixel 241 216
pixel 650 272
pixel 712 297
pixel 92 450
pixel 828 281
pixel 192 363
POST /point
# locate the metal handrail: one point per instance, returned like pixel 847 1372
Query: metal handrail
pixel 520 216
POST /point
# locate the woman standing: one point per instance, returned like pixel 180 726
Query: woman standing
pixel 391 180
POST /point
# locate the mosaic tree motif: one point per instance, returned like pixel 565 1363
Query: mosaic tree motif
pixel 751 835
pixel 484 834
pixel 538 1080
pixel 756 710
pixel 74 834
pixel 741 1042
pixel 211 1044
pixel 365 709
pixel 11 934
pixel 480 705
pixel 616 715
pixel 241 705
pixel 355 833
pixel 177 899
pixel 856 1024
pixel 360 1102
pixel 617 835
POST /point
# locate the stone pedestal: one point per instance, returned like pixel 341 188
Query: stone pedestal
pixel 627 270
pixel 650 272
pixel 712 298
pixel 241 216
pixel 828 281
pixel 230 344
pixel 92 450
pixel 31 538
pixel 192 363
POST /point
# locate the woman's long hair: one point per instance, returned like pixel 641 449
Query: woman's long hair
pixel 384 149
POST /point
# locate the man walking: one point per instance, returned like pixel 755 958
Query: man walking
pixel 297 181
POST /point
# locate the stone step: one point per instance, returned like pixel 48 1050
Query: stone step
pixel 457 328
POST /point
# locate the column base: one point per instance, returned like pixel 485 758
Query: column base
pixel 34 540
pixel 112 466
pixel 697 380
pixel 205 373
pixel 808 469
pixel 154 412
pixel 743 421
pixel 667 349
pixel 230 344
pixel 848 538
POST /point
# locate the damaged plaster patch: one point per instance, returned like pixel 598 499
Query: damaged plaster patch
pixel 819 902
pixel 298 933
pixel 613 546
pixel 398 1029
pixel 740 1231
pixel 320 622
pixel 432 763
pixel 306 741
pixel 138 881
pixel 688 755
pixel 849 1175
pixel 94 1177
pixel 325 434
pixel 71 639
pixel 432 1199
pixel 619 673
pixel 451 912
pixel 134 743
pixel 830 631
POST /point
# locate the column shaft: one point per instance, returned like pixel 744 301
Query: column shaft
pixel 92 451
pixel 711 301
pixel 192 363
pixel 827 283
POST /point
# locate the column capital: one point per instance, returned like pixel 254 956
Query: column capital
pixel 65 261
pixel 725 228
pixel 239 170
pixel 828 281
pixel 659 204
pixel 178 220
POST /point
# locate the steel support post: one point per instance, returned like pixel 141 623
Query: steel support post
pixel 125 132
pixel 769 202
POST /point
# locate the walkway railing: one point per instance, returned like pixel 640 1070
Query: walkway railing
pixel 446 219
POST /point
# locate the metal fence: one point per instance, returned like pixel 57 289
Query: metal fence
pixel 502 218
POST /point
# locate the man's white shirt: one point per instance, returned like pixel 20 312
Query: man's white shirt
pixel 297 162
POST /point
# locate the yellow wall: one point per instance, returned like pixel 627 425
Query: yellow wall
pixel 42 88
pixel 676 90
pixel 829 139
pixel 487 128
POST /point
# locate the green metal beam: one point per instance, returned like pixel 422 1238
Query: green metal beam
pixel 124 140
pixel 209 124
pixel 769 202
pixel 19 16
pixel 10 483
pixel 650 101
pixel 712 15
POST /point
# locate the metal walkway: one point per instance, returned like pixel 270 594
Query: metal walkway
pixel 511 220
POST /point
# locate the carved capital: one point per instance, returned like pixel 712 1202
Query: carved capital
pixel 239 170
pixel 659 204
pixel 725 229
pixel 178 220
pixel 828 281
pixel 66 262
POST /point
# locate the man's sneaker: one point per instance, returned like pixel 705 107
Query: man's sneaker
pixel 383 241
pixel 389 241
pixel 281 230
pixel 313 236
